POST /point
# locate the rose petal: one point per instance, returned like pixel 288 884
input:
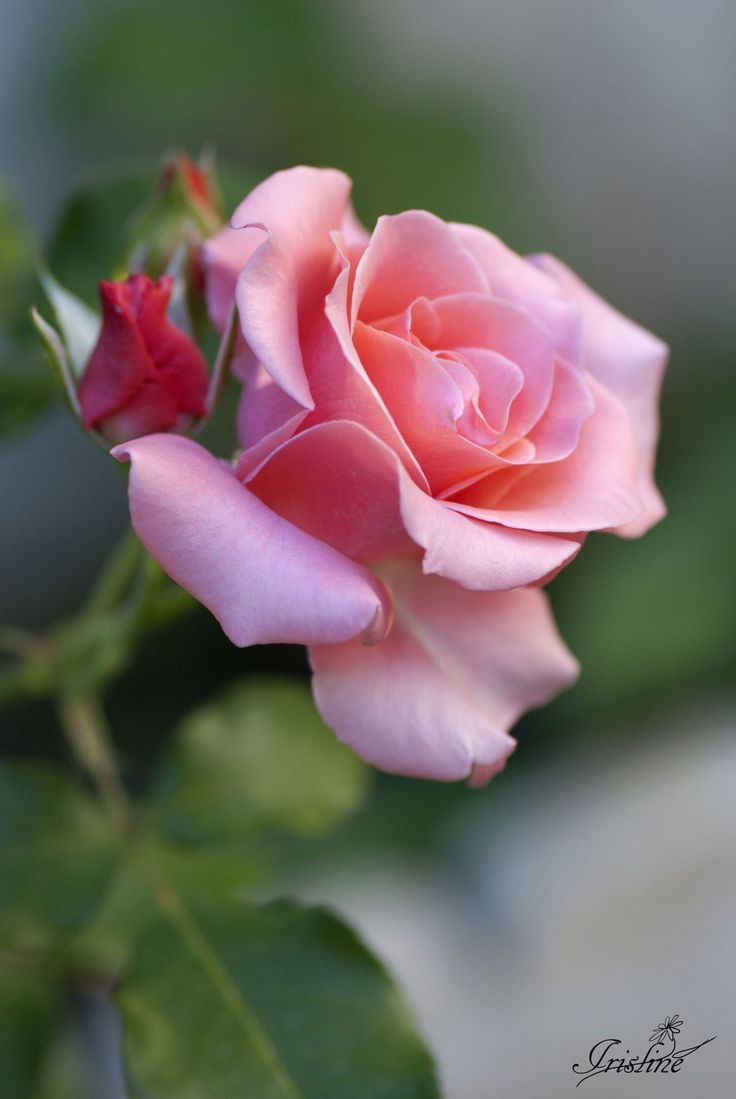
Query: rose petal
pixel 224 256
pixel 425 404
pixel 344 486
pixel 120 362
pixel 281 290
pixel 411 255
pixel 596 487
pixel 436 698
pixel 630 362
pixel 499 382
pixel 475 320
pixel 263 579
pixel 514 279
pixel 571 403
pixel 265 411
pixel 340 382
pixel 338 482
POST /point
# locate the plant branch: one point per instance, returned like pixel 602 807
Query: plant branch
pixel 116 575
pixel 83 720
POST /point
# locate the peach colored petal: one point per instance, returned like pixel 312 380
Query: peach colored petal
pixel 341 484
pixel 499 382
pixel 475 320
pixel 265 411
pixel 425 404
pixel 596 487
pixel 514 279
pixel 411 255
pixel 557 433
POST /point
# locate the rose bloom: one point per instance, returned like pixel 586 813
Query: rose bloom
pixel 430 426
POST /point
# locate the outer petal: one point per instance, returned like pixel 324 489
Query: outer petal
pixel 263 579
pixel 436 698
pixel 630 362
pixel 343 485
pixel 226 253
pixel 281 290
pixel 224 256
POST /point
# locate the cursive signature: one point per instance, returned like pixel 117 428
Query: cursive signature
pixel 661 1056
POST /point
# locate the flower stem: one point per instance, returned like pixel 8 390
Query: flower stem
pixel 83 720
pixel 116 575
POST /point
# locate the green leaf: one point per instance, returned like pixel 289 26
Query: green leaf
pixel 206 877
pixel 57 355
pixel 26 388
pixel 27 1016
pixel 57 852
pixel 80 325
pixel 269 1002
pixel 257 757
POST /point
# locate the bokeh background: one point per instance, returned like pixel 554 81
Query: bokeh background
pixel 591 889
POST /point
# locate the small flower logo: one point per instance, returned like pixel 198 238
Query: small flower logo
pixel 668 1029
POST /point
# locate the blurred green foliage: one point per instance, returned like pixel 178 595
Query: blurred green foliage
pixel 26 384
pixel 95 224
pixel 651 619
pixel 258 755
pixel 294 1004
pixel 270 83
pixel 57 849
pixel 27 1018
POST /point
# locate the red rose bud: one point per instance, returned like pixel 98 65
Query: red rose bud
pixel 193 181
pixel 145 375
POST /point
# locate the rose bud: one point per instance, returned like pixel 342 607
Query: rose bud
pixel 190 183
pixel 145 375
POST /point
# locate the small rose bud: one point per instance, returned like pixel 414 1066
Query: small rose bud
pixel 181 177
pixel 144 375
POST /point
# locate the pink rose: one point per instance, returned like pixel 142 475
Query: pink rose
pixel 430 424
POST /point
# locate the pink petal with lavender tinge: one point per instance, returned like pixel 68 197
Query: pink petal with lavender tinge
pixel 265 580
pixel 437 697
pixel 630 362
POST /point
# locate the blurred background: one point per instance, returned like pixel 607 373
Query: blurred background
pixel 590 890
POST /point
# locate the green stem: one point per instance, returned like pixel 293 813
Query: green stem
pixel 12 683
pixel 116 575
pixel 85 725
